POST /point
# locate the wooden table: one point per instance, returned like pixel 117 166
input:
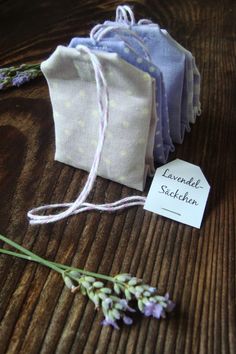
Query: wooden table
pixel 197 267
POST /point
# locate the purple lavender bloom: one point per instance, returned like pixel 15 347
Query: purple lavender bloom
pixel 153 309
pixel 125 306
pixel 2 75
pixel 20 79
pixel 170 304
pixel 127 320
pixel 152 290
pixel 116 312
pixel 109 322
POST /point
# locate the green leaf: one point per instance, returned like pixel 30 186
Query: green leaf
pixel 86 284
pixel 91 295
pixel 75 273
pixel 140 305
pixel 133 281
pixel 96 300
pixel 102 296
pixel 122 277
pixel 117 289
pixel 139 289
pixel 116 313
pixel 98 284
pixel 127 294
pixel 147 293
pixel 105 305
pixel 132 289
pixel 68 282
pixel 89 279
pixel 106 290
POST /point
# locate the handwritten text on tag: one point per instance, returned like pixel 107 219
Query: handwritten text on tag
pixel 179 191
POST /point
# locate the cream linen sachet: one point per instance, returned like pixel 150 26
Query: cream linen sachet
pixel 127 154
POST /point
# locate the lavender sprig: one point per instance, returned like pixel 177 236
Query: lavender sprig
pixel 149 302
pixel 18 75
pixel 114 300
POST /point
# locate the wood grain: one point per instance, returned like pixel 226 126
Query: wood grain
pixel 197 267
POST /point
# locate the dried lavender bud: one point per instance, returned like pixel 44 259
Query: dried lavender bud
pixel 16 76
pixel 20 78
pixel 114 307
pixel 149 303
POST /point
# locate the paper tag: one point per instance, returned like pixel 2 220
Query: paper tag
pixel 179 191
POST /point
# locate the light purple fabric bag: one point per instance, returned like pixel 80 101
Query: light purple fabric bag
pixel 171 62
pixel 163 144
pixel 181 76
pixel 192 83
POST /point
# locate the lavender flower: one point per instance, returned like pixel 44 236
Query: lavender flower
pixel 158 309
pixel 114 308
pixel 2 76
pixel 17 76
pixel 127 320
pixel 20 78
pixel 153 309
pixel 109 322
pixel 114 302
pixel 149 302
